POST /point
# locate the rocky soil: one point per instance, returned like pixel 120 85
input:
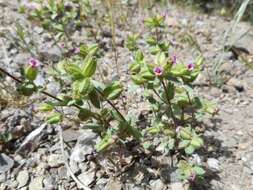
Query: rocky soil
pixel 33 158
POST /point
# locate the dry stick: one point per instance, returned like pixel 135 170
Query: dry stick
pixel 113 35
pixel 78 182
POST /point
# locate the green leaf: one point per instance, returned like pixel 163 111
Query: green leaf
pixel 73 70
pixel 127 130
pixel 45 107
pixel 154 130
pixel 85 86
pixel 197 142
pixel 161 59
pixel 113 91
pixel 138 79
pixel 85 114
pixel 27 89
pixel 94 98
pixel 54 118
pixel 147 74
pixel 170 90
pixel 31 73
pixel 90 66
pixel 105 143
pixel 151 41
pixel 189 149
pixel 199 170
pixel 98 128
pixel 131 42
pixel 183 144
pixel 185 133
pixel 135 68
pixel 178 70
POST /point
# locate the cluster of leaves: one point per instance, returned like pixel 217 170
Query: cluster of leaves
pixel 90 96
pixel 61 17
pixel 168 88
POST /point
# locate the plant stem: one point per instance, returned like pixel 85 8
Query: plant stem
pixel 193 116
pixel 112 23
pixel 169 102
pixel 112 105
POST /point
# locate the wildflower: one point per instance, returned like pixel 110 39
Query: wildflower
pixel 192 177
pixel 34 63
pixel 76 50
pixel 158 71
pixel 178 129
pixel 190 66
pixel 62 45
pixel 173 42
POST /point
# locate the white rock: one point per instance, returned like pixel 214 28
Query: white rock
pixel 157 184
pixel 36 184
pixel 213 164
pixel 87 177
pixel 54 160
pixel 177 186
pixel 22 178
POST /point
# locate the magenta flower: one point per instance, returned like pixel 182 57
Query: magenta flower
pixel 190 66
pixel 158 71
pixel 164 14
pixel 192 177
pixel 34 63
pixel 178 129
pixel 174 59
pixel 76 50
pixel 62 45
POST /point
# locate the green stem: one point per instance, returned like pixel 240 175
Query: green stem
pixel 169 102
pixel 112 105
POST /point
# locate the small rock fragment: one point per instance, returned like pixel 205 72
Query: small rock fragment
pixel 87 177
pixel 157 184
pixel 22 178
pixel 36 184
pixel 6 163
pixel 213 164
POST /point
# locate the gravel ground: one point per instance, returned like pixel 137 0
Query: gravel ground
pixel 33 159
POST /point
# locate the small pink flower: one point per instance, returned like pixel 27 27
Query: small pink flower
pixel 190 66
pixel 76 50
pixel 174 59
pixel 164 14
pixel 34 62
pixel 62 45
pixel 178 129
pixel 192 177
pixel 158 71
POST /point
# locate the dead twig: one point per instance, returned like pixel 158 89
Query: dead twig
pixel 78 182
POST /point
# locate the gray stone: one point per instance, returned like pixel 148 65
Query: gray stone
pixel 87 177
pixel 178 186
pixel 213 164
pixel 6 163
pixel 14 185
pixel 22 178
pixel 36 184
pixel 114 184
pixel 3 177
pixel 54 160
pixel 157 184
pixel 70 135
